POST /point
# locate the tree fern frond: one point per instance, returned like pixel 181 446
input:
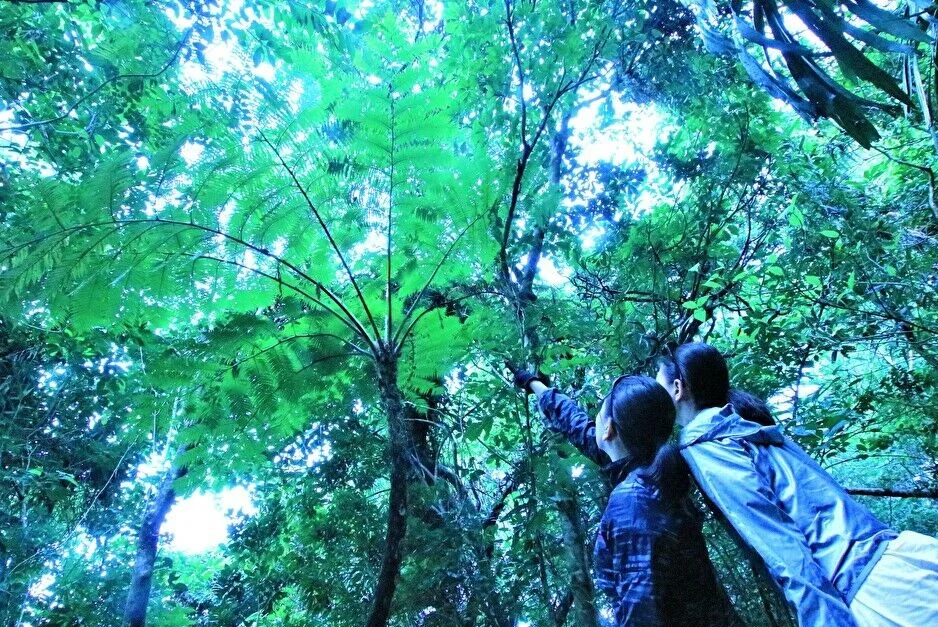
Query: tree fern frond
pixel 107 188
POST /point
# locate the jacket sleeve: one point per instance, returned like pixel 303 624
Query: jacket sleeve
pixel 726 473
pixel 564 416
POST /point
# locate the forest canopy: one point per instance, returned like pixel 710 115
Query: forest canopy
pixel 288 247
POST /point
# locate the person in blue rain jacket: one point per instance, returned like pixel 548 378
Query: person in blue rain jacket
pixel 650 557
pixel 836 564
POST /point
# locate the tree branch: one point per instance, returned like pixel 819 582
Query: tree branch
pixel 328 234
pixel 299 336
pixel 516 54
pixel 166 66
pixel 388 322
pixel 901 494
pixel 927 170
pixel 401 335
pixel 353 321
pixel 292 287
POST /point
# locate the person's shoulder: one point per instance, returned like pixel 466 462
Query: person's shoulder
pixel 636 502
pixel 631 492
pixel 702 424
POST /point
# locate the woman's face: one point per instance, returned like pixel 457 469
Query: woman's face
pixel 602 423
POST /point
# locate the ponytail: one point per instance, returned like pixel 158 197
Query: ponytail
pixel 643 416
pixel 669 473
pixel 751 408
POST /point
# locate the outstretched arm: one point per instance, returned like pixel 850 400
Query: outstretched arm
pixel 564 416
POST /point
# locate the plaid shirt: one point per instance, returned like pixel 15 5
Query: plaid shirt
pixel 650 557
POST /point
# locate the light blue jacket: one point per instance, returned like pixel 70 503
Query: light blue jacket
pixel 817 543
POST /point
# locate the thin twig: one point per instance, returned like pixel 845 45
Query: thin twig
pixel 166 66
pixel 81 519
pixel 400 336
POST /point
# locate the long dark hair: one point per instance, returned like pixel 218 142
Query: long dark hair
pixel 703 371
pixel 751 407
pixel 643 415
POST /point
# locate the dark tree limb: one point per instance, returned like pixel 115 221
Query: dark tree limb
pixel 581 583
pixel 528 144
pixel 283 283
pixel 899 494
pixel 404 330
pixel 350 318
pixel 563 607
pixel 328 233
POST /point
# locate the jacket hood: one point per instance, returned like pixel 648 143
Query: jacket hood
pixel 725 423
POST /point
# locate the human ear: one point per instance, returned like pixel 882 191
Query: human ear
pixel 680 391
pixel 609 432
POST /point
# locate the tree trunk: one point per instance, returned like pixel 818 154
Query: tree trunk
pixel 581 584
pixel 141 581
pixel 397 501
pixel 574 538
pixel 520 293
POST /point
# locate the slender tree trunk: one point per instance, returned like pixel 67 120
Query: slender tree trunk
pixel 581 583
pixel 766 601
pixel 393 403
pixel 574 537
pixel 141 581
pixel 6 594
pixel 490 605
pixel 520 293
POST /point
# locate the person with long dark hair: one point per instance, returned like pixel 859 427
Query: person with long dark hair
pixel 650 556
pixel 834 561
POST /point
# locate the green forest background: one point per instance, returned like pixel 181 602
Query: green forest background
pixel 288 246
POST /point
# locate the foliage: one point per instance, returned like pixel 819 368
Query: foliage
pixel 291 247
pixel 860 39
pixel 69 440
